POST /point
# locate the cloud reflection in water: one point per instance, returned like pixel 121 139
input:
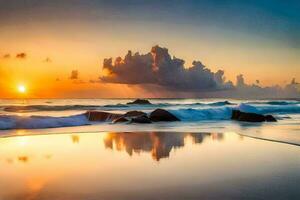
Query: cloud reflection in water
pixel 159 144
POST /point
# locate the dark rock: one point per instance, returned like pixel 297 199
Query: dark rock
pixel 248 117
pixel 235 114
pixel 251 117
pixel 270 118
pixel 101 116
pixel 140 101
pixel 134 113
pixel 162 115
pixel 141 119
pixel 120 120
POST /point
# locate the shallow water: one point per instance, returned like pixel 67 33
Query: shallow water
pixel 147 165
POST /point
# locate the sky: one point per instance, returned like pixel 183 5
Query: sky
pixel 57 49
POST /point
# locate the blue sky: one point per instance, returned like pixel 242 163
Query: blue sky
pixel 277 19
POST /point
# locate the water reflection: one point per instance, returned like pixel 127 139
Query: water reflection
pixel 106 166
pixel 159 144
pixel 23 159
pixel 48 156
pixel 9 160
pixel 75 139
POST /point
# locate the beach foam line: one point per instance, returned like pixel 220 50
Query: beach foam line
pixel 270 140
pixel 39 122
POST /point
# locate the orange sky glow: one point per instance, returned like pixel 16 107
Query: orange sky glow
pixel 54 48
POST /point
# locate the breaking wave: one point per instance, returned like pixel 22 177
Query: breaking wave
pixel 185 112
pixel 38 122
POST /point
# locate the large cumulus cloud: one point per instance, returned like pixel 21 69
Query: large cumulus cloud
pixel 158 70
pixel 158 67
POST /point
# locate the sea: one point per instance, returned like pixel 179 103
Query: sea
pixel 50 116
pixel 49 150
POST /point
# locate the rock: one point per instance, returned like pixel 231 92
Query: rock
pixel 244 107
pixel 134 113
pixel 251 117
pixel 140 101
pixel 270 118
pixel 120 120
pixel 141 119
pixel 162 115
pixel 101 116
pixel 235 114
pixel 132 116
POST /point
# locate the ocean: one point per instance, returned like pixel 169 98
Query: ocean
pixel 45 116
pixel 49 150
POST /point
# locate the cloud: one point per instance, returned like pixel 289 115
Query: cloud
pixel 293 87
pixel 157 67
pixel 21 55
pixel 157 70
pixel 243 90
pixel 240 82
pixel 75 77
pixel 6 56
pixel 74 74
pixel 47 60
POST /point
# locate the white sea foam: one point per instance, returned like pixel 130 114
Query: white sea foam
pixel 34 122
pixel 203 114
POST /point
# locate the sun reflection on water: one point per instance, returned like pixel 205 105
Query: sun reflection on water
pixel 39 166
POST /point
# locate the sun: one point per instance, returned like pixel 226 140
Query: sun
pixel 21 89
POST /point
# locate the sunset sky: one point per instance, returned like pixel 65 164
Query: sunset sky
pixel 57 48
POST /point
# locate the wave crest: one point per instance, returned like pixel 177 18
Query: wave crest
pixel 35 122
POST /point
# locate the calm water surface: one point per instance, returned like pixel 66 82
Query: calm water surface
pixel 147 165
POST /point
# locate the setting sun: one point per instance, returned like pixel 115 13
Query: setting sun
pixel 21 88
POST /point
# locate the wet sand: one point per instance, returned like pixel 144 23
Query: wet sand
pixel 147 165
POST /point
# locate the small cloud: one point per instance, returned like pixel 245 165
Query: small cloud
pixel 21 55
pixel 74 74
pixel 6 56
pixel 294 82
pixel 47 60
pixel 240 81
